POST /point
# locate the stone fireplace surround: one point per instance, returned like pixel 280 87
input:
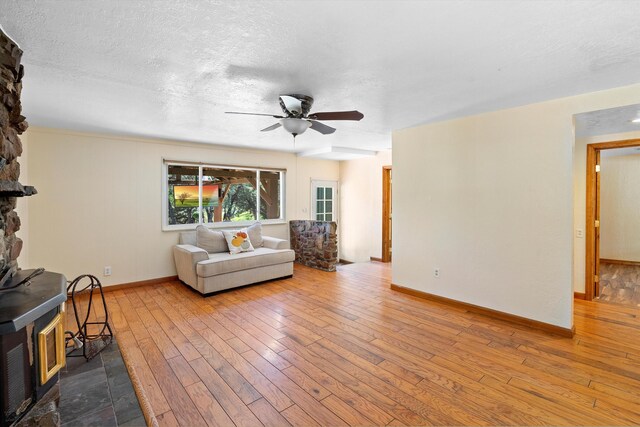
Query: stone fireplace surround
pixel 12 125
pixel 26 313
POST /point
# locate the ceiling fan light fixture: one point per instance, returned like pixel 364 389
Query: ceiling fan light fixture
pixel 295 126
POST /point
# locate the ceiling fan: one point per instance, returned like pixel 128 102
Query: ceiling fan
pixel 297 119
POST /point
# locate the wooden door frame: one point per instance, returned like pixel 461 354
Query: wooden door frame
pixel 386 211
pixel 592 212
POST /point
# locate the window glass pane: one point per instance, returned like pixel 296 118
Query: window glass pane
pixel 320 193
pixel 328 217
pixel 228 195
pixel 182 184
pixel 320 207
pixel 328 193
pixel 328 206
pixel 320 217
pixel 270 184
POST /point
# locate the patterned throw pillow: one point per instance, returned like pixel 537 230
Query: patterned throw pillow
pixel 238 241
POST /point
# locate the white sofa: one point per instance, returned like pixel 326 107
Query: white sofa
pixel 217 269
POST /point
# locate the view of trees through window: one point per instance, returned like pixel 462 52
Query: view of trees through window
pixel 203 194
pixel 269 192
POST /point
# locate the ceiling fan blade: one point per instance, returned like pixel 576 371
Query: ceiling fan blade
pixel 337 115
pixel 272 127
pixel 322 128
pixel 255 114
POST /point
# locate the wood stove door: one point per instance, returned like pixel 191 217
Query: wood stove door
pixel 51 351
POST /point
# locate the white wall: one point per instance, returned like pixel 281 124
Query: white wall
pixel 99 200
pixel 360 234
pixel 580 195
pixel 489 200
pixel 620 207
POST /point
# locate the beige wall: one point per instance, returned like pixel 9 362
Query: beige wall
pixel 580 194
pixel 620 207
pixel 100 199
pixel 22 206
pixel 360 235
pixel 489 200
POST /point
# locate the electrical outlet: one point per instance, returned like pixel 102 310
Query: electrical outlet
pixel 107 270
pixel 436 272
pixel 579 233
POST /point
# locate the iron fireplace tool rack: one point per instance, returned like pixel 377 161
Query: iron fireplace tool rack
pixel 90 343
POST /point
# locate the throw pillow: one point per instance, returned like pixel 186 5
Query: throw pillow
pixel 212 241
pixel 238 241
pixel 255 235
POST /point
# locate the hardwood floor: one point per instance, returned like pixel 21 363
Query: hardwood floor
pixel 343 349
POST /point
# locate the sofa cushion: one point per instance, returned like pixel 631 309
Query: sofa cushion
pixel 221 263
pixel 255 234
pixel 211 241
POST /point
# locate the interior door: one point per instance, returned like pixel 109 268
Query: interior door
pixel 324 200
pixel 386 214
pixel 596 271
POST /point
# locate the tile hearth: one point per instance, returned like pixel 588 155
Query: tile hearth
pixel 98 392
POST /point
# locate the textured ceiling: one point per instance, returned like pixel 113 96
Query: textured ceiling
pixel 609 121
pixel 170 69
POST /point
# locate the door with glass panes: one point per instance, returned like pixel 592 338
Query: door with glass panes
pixel 324 200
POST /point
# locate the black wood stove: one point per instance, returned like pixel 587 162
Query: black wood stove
pixel 32 345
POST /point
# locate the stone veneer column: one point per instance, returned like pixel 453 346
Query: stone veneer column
pixel 315 243
pixel 12 124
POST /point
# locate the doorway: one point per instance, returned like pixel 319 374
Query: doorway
pixel 386 214
pixel 595 278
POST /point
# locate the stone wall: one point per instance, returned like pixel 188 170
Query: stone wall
pixel 315 243
pixel 12 124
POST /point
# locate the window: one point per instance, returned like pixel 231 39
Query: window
pixel 207 194
pixel 323 204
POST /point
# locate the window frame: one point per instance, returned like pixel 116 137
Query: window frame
pixel 224 224
pixel 335 185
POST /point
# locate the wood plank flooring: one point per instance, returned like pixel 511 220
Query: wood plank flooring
pixel 335 349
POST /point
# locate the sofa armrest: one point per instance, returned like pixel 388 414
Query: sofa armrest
pixel 273 243
pixel 186 258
